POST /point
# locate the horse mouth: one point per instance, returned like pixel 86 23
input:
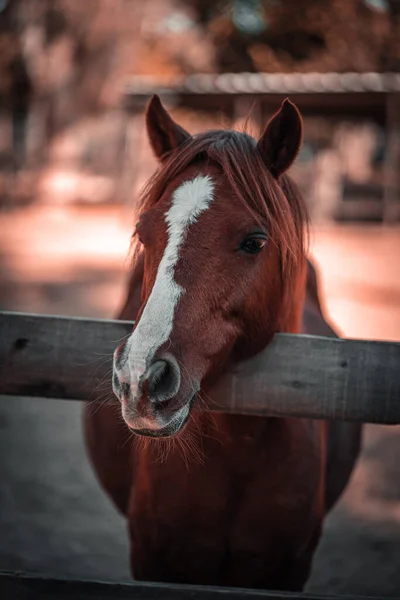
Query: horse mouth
pixel 172 428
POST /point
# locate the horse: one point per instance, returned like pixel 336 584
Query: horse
pixel 219 267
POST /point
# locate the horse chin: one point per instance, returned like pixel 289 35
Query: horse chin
pixel 172 429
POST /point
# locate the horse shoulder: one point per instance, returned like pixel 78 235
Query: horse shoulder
pixel 111 451
pixel 343 439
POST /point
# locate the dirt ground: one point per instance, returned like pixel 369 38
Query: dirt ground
pixel 54 518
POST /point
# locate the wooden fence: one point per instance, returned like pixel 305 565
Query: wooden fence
pixel 33 587
pixel 299 376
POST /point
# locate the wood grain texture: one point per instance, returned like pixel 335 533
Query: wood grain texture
pixel 33 587
pixel 297 375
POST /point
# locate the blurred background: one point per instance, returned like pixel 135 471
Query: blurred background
pixel 74 80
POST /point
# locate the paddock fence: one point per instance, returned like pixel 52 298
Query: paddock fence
pixel 296 376
pixel 18 586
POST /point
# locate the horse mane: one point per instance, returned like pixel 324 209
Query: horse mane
pixel 276 204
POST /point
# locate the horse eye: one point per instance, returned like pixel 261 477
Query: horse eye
pixel 253 245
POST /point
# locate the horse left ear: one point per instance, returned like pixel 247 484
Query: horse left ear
pixel 281 140
pixel 164 134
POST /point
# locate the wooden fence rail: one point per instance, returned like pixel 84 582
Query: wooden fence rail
pixel 299 376
pixel 33 587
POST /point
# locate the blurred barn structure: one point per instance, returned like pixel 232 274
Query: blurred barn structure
pixel 349 168
pixel 62 131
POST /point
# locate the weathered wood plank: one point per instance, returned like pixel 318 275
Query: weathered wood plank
pixel 35 587
pixel 299 376
pixel 57 357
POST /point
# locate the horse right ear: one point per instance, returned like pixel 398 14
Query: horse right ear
pixel 164 134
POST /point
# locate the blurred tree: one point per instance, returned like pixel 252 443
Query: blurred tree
pixel 303 35
pixel 15 83
pixel 67 58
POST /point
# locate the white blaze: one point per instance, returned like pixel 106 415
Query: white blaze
pixel 155 326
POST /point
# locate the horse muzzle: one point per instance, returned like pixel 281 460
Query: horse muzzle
pixel 154 403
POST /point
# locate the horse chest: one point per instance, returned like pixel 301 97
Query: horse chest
pixel 240 508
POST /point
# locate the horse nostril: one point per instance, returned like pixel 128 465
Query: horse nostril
pixel 163 379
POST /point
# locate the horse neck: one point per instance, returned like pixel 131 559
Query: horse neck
pixel 293 305
pixel 239 427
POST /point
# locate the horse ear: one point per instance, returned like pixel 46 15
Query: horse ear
pixel 281 140
pixel 164 134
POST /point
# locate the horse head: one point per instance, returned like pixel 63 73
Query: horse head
pixel 221 230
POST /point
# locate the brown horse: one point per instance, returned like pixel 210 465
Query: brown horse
pixel 219 268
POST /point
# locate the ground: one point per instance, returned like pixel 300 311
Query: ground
pixel 54 517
